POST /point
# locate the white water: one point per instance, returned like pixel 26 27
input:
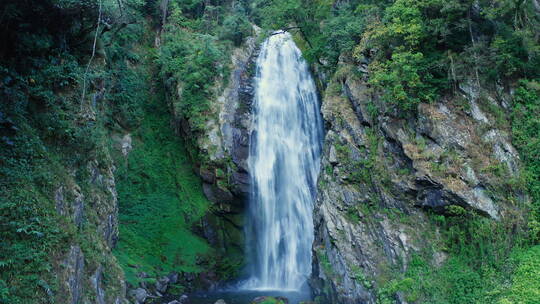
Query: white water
pixel 284 164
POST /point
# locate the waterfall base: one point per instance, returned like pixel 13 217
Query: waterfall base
pixel 245 296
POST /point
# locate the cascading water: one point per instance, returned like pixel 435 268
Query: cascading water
pixel 284 164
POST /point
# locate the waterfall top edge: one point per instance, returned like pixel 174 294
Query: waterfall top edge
pixel 278 32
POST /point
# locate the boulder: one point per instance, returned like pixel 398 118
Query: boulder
pixel 162 284
pixel 139 295
pixel 183 299
pixel 332 158
pixel 173 277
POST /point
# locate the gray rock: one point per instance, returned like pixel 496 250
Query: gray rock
pixel 125 144
pixel 73 209
pixel 188 276
pixel 207 175
pixel 217 194
pixel 332 157
pixel 74 266
pixel 142 275
pixel 220 301
pixel 173 277
pixel 139 295
pixel 439 158
pixel 162 284
pixel 96 282
pixel 183 299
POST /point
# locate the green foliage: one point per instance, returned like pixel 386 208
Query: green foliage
pixel 236 26
pixel 456 282
pixel 404 80
pixel 325 262
pixel 480 258
pixel 194 61
pixel 160 198
pixel 456 210
pixel 46 131
pixel 352 215
pixel 271 300
pixel 359 276
pixel 37 127
pixel 419 50
pixel 525 126
pixel 525 279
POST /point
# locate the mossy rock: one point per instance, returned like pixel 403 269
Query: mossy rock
pixel 270 300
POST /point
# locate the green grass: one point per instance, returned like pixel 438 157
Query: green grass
pixel 160 199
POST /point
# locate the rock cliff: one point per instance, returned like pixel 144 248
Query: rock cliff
pixel 385 176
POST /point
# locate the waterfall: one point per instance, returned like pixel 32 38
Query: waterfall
pixel 284 165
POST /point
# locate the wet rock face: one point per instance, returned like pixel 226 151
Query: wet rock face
pixel 380 175
pixel 74 265
pixel 73 206
pixel 224 143
pixel 234 123
pixel 224 149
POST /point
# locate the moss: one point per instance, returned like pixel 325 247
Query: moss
pixel 270 300
pixel 359 276
pixel 327 268
pixel 352 215
pixel 160 199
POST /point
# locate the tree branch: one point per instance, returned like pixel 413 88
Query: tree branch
pixel 93 54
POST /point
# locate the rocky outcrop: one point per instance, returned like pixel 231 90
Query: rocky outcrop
pixel 224 143
pixel 381 173
pixel 223 146
pixel 87 260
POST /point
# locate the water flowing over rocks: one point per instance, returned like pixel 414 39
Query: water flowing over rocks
pixel 284 164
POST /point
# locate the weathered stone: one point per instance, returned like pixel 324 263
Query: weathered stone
pixel 207 175
pixel 438 159
pixel 217 194
pixel 74 267
pixel 332 158
pixel 96 283
pixel 173 277
pixel 162 284
pixel 139 295
pixel 125 144
pixel 183 299
pixel 74 208
pixel 142 275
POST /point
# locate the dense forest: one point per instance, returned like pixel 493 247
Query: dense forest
pixel 111 178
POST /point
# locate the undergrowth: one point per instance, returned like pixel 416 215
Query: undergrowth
pixel 160 199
